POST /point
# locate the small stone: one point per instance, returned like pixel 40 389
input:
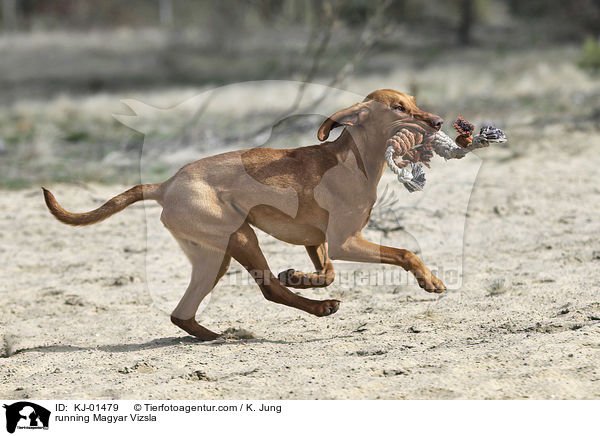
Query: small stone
pixel 198 375
pixel 6 346
pixel 121 281
pixel 233 333
pixel 500 210
pixel 392 372
pixel 74 300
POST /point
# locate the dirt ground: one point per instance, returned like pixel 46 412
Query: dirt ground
pixel 81 316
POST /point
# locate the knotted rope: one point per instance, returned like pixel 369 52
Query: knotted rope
pixel 408 145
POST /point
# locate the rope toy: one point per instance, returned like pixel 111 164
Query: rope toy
pixel 416 150
pixel 465 132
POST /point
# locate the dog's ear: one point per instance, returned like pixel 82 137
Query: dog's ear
pixel 351 116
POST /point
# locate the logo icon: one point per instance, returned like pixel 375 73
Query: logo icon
pixel 26 415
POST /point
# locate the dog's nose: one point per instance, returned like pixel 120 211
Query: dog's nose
pixel 436 123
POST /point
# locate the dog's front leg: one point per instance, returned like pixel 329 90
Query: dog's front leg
pixel 357 249
pixel 323 276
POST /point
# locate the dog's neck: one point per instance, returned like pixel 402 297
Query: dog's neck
pixel 368 152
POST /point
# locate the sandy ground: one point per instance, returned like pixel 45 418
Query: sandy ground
pixel 81 319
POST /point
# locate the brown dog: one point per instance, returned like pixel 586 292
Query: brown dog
pixel 318 196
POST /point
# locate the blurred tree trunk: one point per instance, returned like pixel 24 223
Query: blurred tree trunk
pixel 165 11
pixel 290 10
pixel 9 15
pixel 226 23
pixel 466 19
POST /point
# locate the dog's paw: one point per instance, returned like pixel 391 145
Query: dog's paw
pixel 191 327
pixel 326 307
pixel 288 277
pixel 430 283
pixel 437 285
pixel 300 280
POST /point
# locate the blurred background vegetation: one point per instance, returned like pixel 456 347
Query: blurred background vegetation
pixel 65 65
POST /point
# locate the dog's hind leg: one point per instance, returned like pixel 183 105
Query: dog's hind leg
pixel 243 246
pixel 323 276
pixel 208 266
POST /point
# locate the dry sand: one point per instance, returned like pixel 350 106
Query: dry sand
pixel 80 319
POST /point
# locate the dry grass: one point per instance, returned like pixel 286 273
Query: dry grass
pixel 497 287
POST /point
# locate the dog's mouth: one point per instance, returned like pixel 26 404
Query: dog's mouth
pixel 411 146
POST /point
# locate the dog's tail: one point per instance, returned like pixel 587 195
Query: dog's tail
pixel 112 206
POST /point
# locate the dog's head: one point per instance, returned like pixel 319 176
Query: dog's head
pixel 381 114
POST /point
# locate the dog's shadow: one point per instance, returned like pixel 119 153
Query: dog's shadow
pixel 162 343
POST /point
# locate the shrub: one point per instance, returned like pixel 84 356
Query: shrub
pixel 590 56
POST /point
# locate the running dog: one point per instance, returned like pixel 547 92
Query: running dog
pixel 318 196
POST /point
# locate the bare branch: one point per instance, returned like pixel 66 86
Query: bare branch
pixel 373 31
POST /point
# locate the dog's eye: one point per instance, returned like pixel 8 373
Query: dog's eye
pixel 399 108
